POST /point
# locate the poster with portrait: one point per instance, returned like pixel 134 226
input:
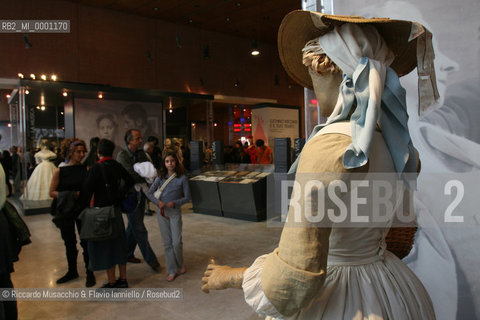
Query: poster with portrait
pixel 110 119
pixel 445 256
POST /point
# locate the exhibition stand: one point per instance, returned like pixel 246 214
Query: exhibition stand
pixel 232 194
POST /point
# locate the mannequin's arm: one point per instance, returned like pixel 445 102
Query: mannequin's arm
pixel 222 277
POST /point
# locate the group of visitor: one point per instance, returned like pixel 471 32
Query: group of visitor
pixel 97 181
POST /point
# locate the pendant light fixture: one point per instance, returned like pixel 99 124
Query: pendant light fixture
pixel 254 51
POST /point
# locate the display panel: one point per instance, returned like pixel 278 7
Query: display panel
pixel 110 119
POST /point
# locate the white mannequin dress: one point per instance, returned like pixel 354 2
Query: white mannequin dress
pixel 38 186
pixel 363 280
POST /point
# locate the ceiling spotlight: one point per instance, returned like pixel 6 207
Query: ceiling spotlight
pixel 32 76
pixel 100 96
pixel 254 51
pixel 193 124
pixel 8 96
pixel 38 107
pixel 170 110
pixel 65 93
pixel 9 125
pixel 27 43
pixel 237 83
pixel 27 92
pixel 20 75
pixel 43 77
pixel 42 108
pixel 54 77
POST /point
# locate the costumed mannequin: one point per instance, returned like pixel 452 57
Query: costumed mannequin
pixel 331 271
pixel 39 182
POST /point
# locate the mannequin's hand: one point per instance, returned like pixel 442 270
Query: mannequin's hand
pixel 161 204
pixel 171 204
pixel 222 277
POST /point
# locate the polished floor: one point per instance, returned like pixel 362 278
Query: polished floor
pixel 229 241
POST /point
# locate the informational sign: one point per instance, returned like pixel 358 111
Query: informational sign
pixel 270 122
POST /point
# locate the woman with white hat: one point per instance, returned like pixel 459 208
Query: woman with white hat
pixel 330 270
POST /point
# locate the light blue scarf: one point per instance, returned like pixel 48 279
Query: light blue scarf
pixel 390 113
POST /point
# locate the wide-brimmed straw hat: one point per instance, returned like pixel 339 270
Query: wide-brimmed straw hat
pixel 300 26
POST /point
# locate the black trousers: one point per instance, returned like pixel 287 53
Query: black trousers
pixel 70 239
pixel 9 308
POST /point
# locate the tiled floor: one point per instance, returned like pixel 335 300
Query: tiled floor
pixel 229 241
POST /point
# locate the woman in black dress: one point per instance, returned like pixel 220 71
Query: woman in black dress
pixel 106 254
pixel 66 184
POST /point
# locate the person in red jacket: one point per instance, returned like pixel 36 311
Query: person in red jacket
pixel 264 153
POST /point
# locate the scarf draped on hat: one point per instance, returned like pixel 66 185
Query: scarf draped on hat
pixel 364 57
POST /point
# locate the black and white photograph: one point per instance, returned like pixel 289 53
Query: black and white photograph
pixel 110 119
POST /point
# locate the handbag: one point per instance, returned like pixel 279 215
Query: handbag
pixel 157 194
pixel 98 223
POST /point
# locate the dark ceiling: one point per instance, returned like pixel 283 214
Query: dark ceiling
pixel 255 19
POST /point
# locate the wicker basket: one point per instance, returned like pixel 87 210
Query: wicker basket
pixel 400 238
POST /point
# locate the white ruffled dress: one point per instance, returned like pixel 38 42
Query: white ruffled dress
pixel 38 185
pixel 363 279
